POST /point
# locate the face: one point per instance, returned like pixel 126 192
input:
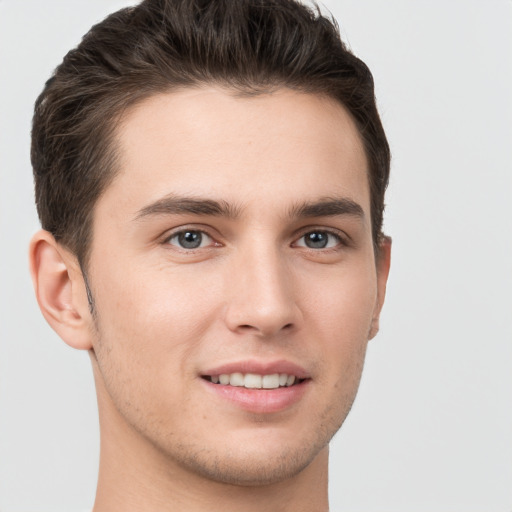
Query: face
pixel 234 281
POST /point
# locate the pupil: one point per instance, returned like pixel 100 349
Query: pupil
pixel 190 239
pixel 316 240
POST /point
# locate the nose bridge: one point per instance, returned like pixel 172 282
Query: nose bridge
pixel 261 294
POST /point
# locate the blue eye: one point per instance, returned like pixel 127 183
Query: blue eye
pixel 190 239
pixel 319 240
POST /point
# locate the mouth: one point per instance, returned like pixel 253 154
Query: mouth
pixel 254 380
pixel 259 387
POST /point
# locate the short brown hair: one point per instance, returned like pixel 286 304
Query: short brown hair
pixel 252 46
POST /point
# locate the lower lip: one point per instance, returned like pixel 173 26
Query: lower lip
pixel 260 401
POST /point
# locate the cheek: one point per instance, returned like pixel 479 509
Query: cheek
pixel 142 343
pixel 150 325
pixel 342 303
pixel 156 303
pixel 340 313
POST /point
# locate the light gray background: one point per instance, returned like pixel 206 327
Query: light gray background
pixel 431 430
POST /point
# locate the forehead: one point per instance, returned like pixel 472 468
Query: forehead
pixel 264 150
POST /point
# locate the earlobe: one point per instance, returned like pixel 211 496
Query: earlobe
pixel 383 263
pixel 59 289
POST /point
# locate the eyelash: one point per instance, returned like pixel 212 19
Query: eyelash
pixel 341 241
pixel 182 232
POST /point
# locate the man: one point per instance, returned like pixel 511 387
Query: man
pixel 210 179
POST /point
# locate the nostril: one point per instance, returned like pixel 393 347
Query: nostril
pixel 250 327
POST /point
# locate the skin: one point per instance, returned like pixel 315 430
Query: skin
pixel 253 291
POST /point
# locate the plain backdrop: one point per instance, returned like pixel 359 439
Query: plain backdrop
pixel 431 429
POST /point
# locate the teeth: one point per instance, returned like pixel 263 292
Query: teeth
pixel 270 381
pixel 236 379
pixel 254 381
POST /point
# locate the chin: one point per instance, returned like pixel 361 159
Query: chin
pixel 258 461
pixel 251 470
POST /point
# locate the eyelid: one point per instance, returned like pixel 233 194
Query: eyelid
pixel 341 236
pixel 181 229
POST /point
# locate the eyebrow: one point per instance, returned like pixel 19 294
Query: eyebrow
pixel 174 205
pixel 328 207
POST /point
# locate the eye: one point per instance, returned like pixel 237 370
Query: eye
pixel 319 240
pixel 190 239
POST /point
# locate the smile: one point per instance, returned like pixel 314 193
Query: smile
pixel 254 380
pixel 259 387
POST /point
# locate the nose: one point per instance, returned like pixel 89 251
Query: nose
pixel 262 300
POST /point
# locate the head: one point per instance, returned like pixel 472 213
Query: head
pixel 211 179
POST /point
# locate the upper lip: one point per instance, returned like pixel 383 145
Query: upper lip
pixel 259 368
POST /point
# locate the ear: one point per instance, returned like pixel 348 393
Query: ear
pixel 383 262
pixel 60 290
